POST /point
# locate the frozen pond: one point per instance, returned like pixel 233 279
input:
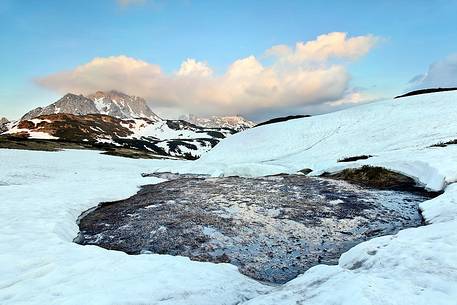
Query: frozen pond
pixel 273 228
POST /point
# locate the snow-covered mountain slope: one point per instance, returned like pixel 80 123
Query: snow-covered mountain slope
pixel 122 106
pixel 237 123
pixel 173 129
pixel 111 103
pixel 161 137
pixel 387 130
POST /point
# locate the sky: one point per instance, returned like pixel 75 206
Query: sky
pixel 260 59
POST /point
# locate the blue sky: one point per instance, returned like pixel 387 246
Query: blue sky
pixel 41 38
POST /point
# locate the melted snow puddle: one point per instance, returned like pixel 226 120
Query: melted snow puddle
pixel 273 228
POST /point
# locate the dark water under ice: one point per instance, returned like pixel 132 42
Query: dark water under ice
pixel 273 228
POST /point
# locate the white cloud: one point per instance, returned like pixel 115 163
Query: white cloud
pixel 303 76
pixel 191 67
pixel 442 73
pixel 325 47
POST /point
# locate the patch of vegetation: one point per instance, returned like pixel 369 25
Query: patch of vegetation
pixel 131 153
pixel 355 158
pixel 15 142
pixel 444 144
pixel 425 91
pixel 377 177
pixel 282 119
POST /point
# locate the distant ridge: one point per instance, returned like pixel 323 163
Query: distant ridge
pixel 283 119
pixel 425 91
pixel 236 122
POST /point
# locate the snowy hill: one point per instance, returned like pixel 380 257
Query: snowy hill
pixel 388 130
pixel 111 103
pixel 161 137
pixel 237 123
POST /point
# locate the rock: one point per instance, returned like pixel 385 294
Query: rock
pixel 283 119
pixel 122 106
pixel 3 122
pixel 355 158
pixel 305 171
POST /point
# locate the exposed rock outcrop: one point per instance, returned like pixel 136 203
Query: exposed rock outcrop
pixel 3 122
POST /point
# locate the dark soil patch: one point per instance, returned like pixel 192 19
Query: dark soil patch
pixel 355 158
pixel 283 119
pixel 425 91
pixel 444 144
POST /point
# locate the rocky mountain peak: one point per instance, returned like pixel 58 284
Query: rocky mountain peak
pixel 113 103
pixel 69 103
pixel 3 122
pixel 121 105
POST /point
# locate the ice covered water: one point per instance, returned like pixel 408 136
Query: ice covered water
pixel 273 228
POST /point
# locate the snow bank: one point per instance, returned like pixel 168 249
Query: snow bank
pixel 41 196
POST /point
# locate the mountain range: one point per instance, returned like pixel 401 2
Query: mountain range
pixel 161 138
pixel 111 103
pixel 115 119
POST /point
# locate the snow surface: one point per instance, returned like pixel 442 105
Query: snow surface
pixel 41 195
pixel 162 131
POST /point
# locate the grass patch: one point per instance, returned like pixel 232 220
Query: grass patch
pixel 12 142
pixel 377 177
pixel 444 144
pixel 355 158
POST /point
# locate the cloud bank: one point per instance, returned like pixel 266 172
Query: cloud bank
pixel 308 74
pixel 442 73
